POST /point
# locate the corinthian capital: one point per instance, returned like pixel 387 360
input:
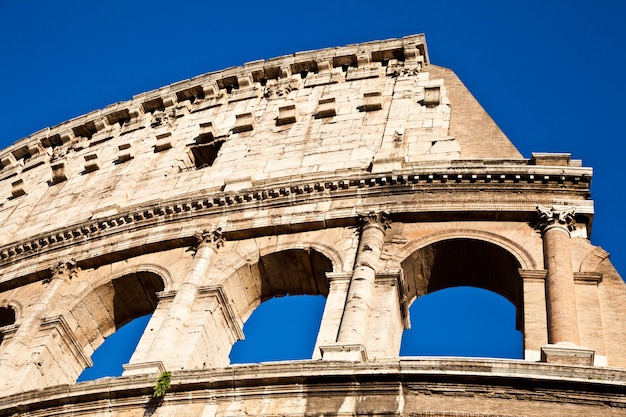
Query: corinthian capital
pixel 64 269
pixel 214 238
pixel 563 217
pixel 380 219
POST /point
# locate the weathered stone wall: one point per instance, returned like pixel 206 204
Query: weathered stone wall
pixel 364 174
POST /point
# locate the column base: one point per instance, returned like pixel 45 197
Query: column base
pixel 143 368
pixel 353 353
pixel 566 353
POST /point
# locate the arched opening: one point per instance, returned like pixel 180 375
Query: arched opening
pixel 295 273
pixel 283 328
pixel 110 307
pixel 7 318
pixel 462 321
pixel 115 351
pixel 447 265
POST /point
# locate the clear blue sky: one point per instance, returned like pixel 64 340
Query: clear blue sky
pixel 550 73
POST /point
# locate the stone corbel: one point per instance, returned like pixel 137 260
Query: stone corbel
pixel 163 141
pixel 432 96
pixel 60 172
pixel 136 120
pixel 91 162
pixel 372 101
pixel 8 160
pixel 18 188
pixel 244 123
pixel 326 108
pixel 286 115
pixel 125 152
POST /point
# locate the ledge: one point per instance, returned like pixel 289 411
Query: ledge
pixel 536 381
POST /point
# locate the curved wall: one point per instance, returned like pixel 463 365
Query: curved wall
pixel 362 173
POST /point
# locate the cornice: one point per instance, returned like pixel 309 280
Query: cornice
pixel 390 57
pixel 572 183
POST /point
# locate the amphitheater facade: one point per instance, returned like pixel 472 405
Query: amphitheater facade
pixel 362 173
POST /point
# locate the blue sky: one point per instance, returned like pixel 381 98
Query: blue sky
pixel 550 73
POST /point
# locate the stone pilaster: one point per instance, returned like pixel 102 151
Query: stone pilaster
pixel 178 309
pixel 556 225
pixel 353 327
pixel 21 353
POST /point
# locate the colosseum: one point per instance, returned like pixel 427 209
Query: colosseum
pixel 362 173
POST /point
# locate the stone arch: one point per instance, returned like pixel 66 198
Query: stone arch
pixel 16 309
pixel 284 271
pixel 443 261
pixel 593 259
pixel 238 261
pixel 164 274
pixel 8 317
pixel 121 298
pixel 525 259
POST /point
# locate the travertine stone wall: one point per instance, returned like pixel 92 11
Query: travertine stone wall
pixel 364 174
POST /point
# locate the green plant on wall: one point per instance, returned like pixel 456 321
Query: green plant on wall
pixel 162 384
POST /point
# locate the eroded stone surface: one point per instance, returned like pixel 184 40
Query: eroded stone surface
pixel 200 200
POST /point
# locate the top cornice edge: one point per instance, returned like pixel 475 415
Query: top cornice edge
pixel 417 41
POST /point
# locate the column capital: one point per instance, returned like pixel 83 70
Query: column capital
pixel 63 269
pixel 556 217
pixel 213 238
pixel 379 219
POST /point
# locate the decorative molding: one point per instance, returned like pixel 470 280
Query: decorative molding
pixel 379 219
pixel 234 324
pixel 278 193
pixel 64 269
pixel 60 325
pixel 556 217
pixel 533 274
pixel 215 238
pixel 588 277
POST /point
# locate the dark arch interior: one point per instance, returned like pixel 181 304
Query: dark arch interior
pixel 293 272
pixel 7 316
pixel 135 296
pixel 464 262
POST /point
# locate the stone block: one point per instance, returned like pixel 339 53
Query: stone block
pixel 432 96
pixel 567 354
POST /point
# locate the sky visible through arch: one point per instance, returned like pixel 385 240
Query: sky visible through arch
pixel 551 74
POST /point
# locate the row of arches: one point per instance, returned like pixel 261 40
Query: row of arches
pixel 480 323
pixel 464 277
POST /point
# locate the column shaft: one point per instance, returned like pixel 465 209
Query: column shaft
pixel 182 304
pixel 560 290
pixel 555 225
pixel 354 321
